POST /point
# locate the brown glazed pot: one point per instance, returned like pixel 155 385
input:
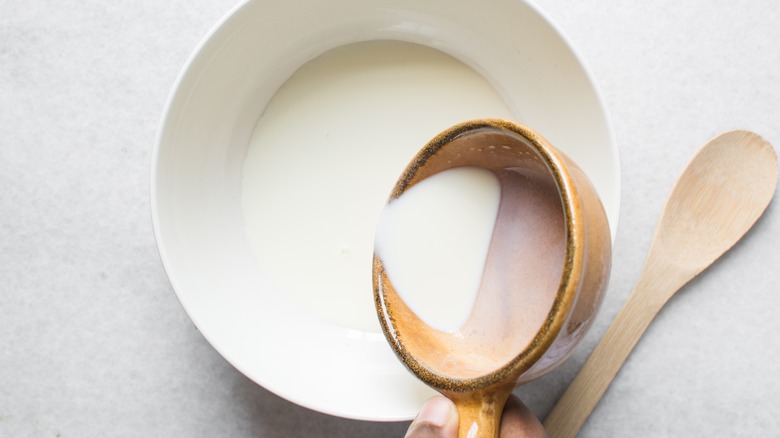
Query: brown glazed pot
pixel 583 266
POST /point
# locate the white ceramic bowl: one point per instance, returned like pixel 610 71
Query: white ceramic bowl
pixel 203 140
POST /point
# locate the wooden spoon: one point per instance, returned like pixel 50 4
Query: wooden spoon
pixel 720 195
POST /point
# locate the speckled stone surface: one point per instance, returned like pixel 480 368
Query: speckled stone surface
pixel 95 343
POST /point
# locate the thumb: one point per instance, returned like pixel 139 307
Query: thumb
pixel 438 418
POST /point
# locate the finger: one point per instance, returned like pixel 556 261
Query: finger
pixel 438 418
pixel 518 421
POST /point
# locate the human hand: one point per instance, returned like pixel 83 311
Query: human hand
pixel 438 418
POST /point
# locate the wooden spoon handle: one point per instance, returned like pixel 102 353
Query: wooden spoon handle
pixel 648 297
pixel 480 412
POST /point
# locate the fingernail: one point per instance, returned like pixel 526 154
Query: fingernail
pixel 436 411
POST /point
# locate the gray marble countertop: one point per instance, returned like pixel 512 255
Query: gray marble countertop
pixel 93 341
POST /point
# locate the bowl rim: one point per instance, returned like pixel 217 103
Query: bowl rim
pixel 167 117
